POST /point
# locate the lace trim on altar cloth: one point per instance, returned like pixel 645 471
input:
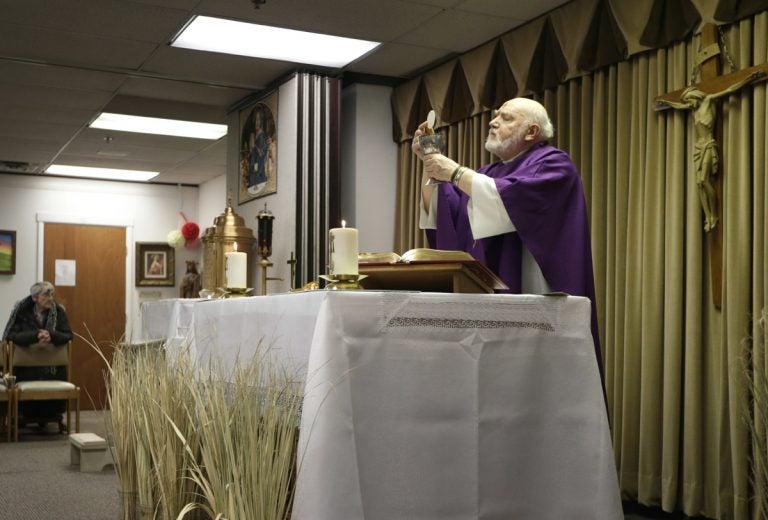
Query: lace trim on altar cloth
pixel 454 323
pixel 483 313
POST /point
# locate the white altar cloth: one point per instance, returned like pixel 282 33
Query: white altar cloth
pixel 232 329
pixel 433 406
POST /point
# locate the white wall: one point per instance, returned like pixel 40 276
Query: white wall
pixel 212 201
pixel 147 211
pixel 368 165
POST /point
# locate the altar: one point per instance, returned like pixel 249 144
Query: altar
pixel 426 405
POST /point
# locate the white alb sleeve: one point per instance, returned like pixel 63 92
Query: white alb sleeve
pixel 487 215
pixel 428 219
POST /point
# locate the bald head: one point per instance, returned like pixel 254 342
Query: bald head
pixel 517 125
pixel 534 114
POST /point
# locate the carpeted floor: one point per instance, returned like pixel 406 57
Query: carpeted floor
pixel 38 483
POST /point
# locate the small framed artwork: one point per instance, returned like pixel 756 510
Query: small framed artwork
pixel 257 175
pixel 155 264
pixel 7 252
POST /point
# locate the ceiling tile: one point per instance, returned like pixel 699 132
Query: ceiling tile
pixel 21 12
pixel 146 161
pixel 47 115
pixel 375 20
pixel 95 139
pixel 214 154
pixel 61 77
pixel 41 130
pixel 190 92
pixel 176 4
pixel 217 69
pixel 397 60
pixel 189 174
pixel 65 48
pixel 458 32
pixel 444 4
pixel 520 10
pixel 39 96
pixel 114 19
pixel 27 149
pixel 163 108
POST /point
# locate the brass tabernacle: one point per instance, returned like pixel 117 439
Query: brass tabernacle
pixel 228 228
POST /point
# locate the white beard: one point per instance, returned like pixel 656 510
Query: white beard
pixel 507 146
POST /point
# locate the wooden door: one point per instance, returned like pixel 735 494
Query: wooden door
pixel 95 304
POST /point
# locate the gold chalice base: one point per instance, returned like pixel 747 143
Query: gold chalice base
pixel 343 282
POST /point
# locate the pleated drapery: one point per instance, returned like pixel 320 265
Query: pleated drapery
pixel 678 401
pixel 568 42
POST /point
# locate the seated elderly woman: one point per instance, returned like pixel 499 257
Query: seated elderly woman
pixel 39 319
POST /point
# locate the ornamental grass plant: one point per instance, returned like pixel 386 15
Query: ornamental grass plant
pixel 193 442
pixel 248 432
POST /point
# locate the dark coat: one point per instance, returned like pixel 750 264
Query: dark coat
pixel 23 327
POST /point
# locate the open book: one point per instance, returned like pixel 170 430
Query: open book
pixel 421 254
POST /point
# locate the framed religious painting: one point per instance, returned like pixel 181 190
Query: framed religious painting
pixel 7 252
pixel 257 172
pixel 155 264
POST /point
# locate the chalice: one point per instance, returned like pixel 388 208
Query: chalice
pixel 432 143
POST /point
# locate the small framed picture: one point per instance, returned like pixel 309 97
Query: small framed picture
pixel 155 264
pixel 7 252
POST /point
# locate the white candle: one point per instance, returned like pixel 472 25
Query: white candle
pixel 236 269
pixel 344 250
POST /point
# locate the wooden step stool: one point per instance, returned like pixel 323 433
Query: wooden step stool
pixel 89 451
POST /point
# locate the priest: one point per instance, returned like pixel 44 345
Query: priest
pixel 524 216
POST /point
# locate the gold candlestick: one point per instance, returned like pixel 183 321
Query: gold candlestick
pixel 264 263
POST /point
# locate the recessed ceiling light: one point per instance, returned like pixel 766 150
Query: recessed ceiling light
pixel 100 173
pixel 158 126
pixel 204 33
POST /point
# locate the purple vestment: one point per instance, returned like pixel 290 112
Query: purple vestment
pixel 543 194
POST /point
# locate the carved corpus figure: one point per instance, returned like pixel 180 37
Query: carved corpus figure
pixel 706 159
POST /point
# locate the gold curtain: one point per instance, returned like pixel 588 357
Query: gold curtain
pixel 677 399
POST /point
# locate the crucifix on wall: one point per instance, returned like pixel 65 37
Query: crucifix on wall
pixel 700 99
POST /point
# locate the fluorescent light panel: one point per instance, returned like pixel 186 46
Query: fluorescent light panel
pixel 204 33
pixel 158 126
pixel 100 173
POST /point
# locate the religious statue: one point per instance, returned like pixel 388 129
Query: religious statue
pixel 190 284
pixel 706 159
